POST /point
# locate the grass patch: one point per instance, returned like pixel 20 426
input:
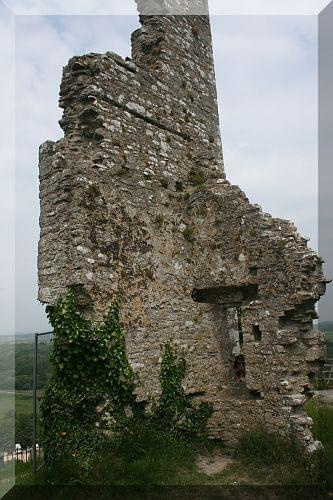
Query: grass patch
pixel 16 361
pixel 263 448
pixel 329 343
pixel 322 416
pixel 7 403
pixel 266 458
pixel 7 471
pixel 145 456
pixel 23 403
pixel 7 478
pixel 273 460
pixel 16 420
pixel 142 456
pixel 322 429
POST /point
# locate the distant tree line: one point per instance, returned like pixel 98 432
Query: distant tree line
pixel 24 358
pixel 21 433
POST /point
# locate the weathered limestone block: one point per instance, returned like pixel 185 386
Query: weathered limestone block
pixel 134 202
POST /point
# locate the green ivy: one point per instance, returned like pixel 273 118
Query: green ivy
pixel 90 367
pixel 92 376
pixel 174 410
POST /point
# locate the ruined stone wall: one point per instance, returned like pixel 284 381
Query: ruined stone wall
pixel 134 201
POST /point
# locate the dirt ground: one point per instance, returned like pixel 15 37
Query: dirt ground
pixel 214 463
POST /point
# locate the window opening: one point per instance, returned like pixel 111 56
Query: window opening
pixel 256 333
pixel 239 324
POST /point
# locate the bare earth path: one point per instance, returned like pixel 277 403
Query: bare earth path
pixel 214 463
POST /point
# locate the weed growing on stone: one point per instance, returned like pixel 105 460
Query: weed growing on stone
pixel 189 233
pixel 197 177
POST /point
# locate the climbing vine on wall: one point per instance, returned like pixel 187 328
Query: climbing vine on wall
pixel 174 410
pixel 91 374
pixel 90 366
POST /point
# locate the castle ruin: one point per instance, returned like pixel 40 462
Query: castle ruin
pixel 135 202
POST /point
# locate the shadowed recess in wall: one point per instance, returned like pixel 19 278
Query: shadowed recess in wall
pixel 231 296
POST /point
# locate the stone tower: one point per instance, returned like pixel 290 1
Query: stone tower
pixel 134 202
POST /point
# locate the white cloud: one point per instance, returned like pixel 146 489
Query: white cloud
pixel 73 7
pixel 43 47
pixel 7 246
pixel 267 7
pixel 127 7
pixel 266 71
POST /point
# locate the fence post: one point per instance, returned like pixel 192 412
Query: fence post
pixel 34 409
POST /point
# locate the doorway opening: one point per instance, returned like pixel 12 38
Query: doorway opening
pixel 239 368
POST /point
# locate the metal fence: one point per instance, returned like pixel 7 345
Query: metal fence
pixel 22 455
pixel 34 405
pixel 326 373
pixel 34 453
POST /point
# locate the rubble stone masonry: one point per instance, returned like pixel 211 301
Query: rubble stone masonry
pixel 134 201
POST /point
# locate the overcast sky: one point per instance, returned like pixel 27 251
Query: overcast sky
pixel 266 71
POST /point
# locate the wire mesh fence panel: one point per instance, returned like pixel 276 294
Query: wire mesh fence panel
pixel 42 372
pixel 25 456
pixel 326 373
pixel 33 371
